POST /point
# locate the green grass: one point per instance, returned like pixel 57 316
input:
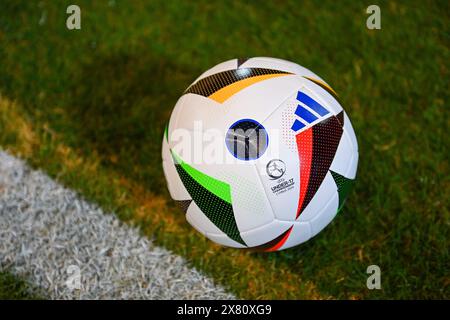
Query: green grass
pixel 14 288
pixel 106 92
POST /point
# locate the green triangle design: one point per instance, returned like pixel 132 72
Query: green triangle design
pixel 217 187
pixel 344 186
pixel 212 196
pixel 166 132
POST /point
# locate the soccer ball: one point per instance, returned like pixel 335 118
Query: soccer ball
pixel 259 154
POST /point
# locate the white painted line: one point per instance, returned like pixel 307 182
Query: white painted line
pixel 71 249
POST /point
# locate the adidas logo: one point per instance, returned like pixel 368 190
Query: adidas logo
pixel 308 111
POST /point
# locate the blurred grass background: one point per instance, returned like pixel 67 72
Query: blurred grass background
pixel 106 91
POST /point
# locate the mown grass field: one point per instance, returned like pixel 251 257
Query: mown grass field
pixel 89 108
pixel 13 288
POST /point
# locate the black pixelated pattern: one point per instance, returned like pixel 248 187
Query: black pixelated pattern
pixel 217 210
pixel 272 243
pixel 340 117
pixel 207 86
pixel 326 137
pixel 241 61
pixel 183 204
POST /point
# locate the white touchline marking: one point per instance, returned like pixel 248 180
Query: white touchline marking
pixel 71 249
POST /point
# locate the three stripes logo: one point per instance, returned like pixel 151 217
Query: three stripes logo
pixel 309 111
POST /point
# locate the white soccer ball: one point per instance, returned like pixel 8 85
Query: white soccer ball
pixel 259 153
